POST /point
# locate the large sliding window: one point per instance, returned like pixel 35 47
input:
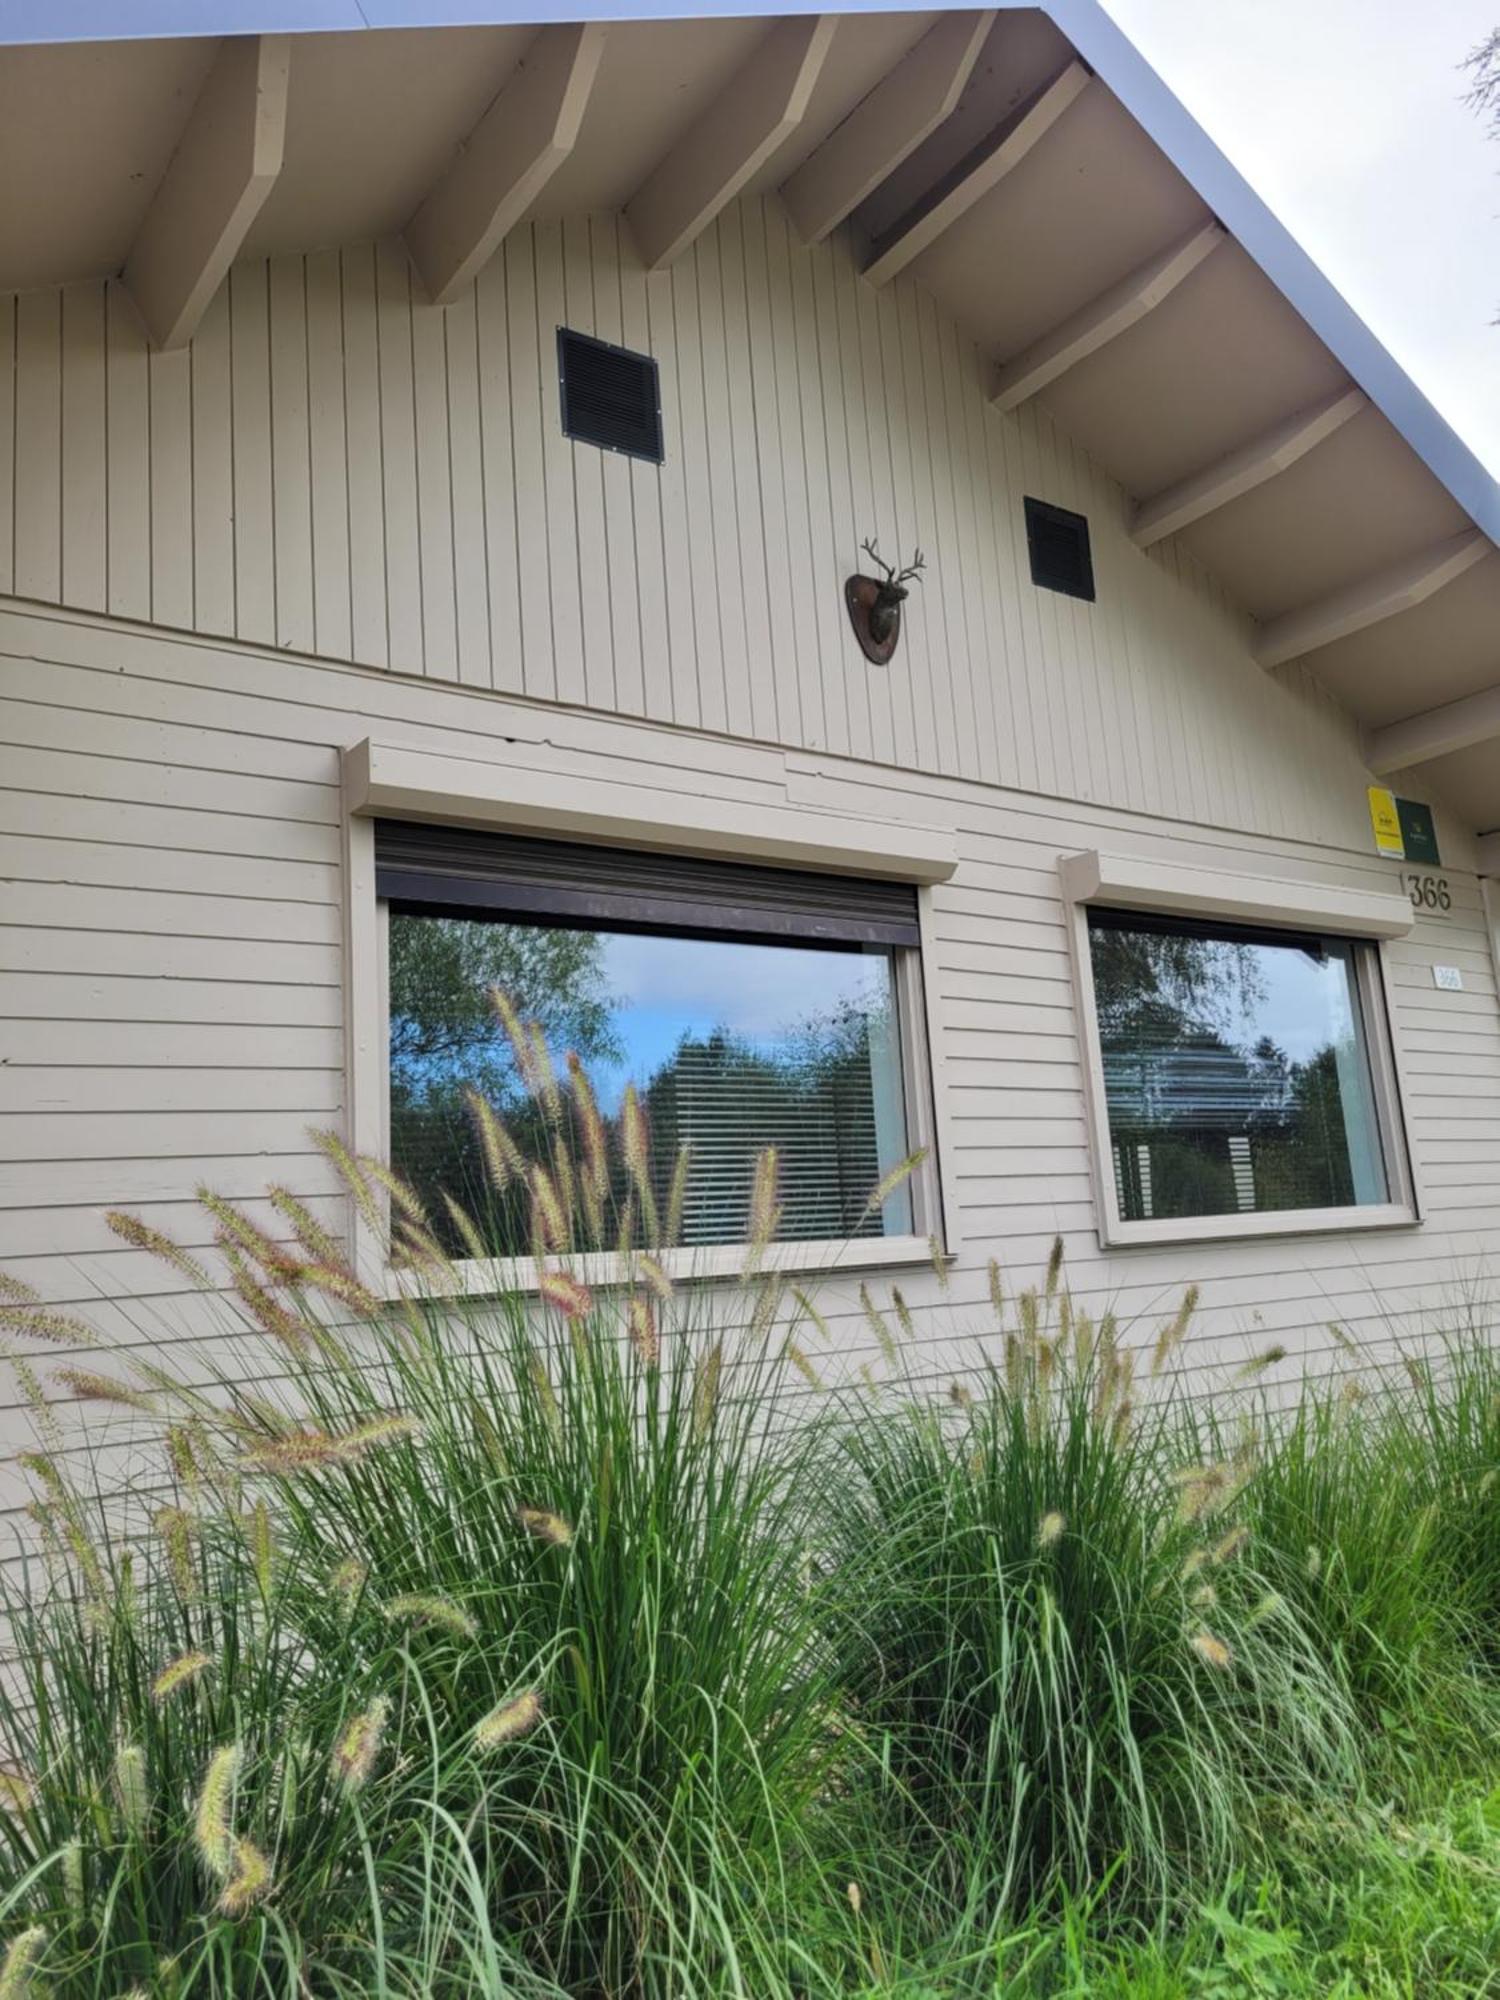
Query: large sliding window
pixel 1245 1071
pixel 748 1007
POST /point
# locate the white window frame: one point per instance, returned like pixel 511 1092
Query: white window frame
pixel 395 782
pixel 1156 888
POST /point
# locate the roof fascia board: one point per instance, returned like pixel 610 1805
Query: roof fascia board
pixel 1102 44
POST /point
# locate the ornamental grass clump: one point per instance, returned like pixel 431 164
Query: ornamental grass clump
pixel 1373 1518
pixel 1047 1639
pixel 442 1646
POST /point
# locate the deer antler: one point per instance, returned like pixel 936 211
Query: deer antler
pixel 872 550
pixel 913 574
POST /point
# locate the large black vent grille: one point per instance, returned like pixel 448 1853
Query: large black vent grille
pixel 1058 545
pixel 610 397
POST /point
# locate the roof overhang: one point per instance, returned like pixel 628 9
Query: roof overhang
pixel 1174 328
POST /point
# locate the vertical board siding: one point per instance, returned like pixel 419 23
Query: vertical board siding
pixel 172 978
pixel 338 467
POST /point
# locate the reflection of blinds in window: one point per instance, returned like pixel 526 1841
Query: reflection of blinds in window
pixel 728 1102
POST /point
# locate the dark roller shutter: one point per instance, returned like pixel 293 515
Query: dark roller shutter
pixel 436 868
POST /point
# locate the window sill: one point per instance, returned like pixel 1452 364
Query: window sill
pixel 1115 1235
pixel 709 1265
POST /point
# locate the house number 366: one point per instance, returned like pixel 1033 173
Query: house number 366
pixel 1428 892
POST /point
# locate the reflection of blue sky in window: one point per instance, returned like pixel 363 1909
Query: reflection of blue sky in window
pixel 666 988
pixel 1301 1003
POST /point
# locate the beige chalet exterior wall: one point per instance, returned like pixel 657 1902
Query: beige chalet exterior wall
pixel 335 467
pixel 341 514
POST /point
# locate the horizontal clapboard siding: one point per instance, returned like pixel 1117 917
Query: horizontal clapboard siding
pixel 334 466
pixel 171 973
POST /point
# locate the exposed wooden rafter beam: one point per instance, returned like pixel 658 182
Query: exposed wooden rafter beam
pixel 225 165
pixel 1241 471
pixel 506 161
pixel 1487 854
pixel 1389 591
pixel 1436 732
pixel 981 169
pixel 1093 326
pixel 881 130
pixel 732 141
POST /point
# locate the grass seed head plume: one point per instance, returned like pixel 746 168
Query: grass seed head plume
pixel 634 1140
pixel 644 1338
pixel 1054 1267
pixel 1212 1651
pixel 90 1388
pixel 549 1222
pixel 510 1721
pixel 569 1295
pixel 997 1290
pixel 177 1530
pixel 17 1793
pixel 248 1882
pixel 352 1173
pixel 347 1580
pixel 902 1311
pixel 179 1674
pixel 1050 1529
pixel 677 1194
pixel 18 1967
pixel 430 1609
pixel 132 1788
pixel 502 1156
pixel 141 1236
pixel 358 1745
pixel 468 1229
pixel 296 1452
pixel 75 1894
pixel 1174 1331
pixel 876 1320
pixel 960 1395
pixel 890 1182
pixel 939 1262
pixel 544 1526
pixel 765 1207
pixel 213 1817
pixel 653 1275
pixel 391 1427
pixel 267 1311
pixel 517 1033
pixel 706 1390
pixel 802 1362
pixel 320 1244
pixel 1269 1357
pixel 38 1322
pixel 1230 1545
pixel 262 1546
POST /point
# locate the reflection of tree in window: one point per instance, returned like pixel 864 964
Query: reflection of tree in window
pixel 1208 1113
pixel 444 1037
pixel 824 1089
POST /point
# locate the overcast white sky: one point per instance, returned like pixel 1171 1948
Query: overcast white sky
pixel 1346 116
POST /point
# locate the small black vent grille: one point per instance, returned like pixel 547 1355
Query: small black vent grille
pixel 610 397
pixel 1058 544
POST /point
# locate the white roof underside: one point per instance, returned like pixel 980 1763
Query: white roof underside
pixel 1037 210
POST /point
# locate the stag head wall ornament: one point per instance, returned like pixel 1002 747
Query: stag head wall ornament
pixel 875 603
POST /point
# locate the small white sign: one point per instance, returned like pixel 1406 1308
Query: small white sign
pixel 1448 977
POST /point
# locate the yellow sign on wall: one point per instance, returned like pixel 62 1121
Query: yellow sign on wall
pixel 1386 821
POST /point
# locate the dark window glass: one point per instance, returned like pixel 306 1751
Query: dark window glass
pixel 1236 1069
pixel 732 1044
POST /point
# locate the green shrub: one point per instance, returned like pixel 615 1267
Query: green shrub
pixel 1062 1661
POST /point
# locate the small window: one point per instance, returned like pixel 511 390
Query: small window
pixel 1244 1070
pixel 748 1007
pixel 610 396
pixel 1058 545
